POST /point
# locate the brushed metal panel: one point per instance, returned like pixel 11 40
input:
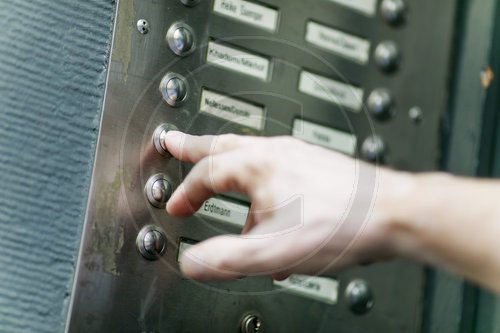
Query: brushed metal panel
pixel 117 290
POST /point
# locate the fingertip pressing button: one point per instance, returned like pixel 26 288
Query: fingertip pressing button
pixel 159 138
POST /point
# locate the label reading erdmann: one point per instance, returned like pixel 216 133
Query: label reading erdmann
pixel 225 211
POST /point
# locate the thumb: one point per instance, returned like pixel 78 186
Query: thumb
pixel 231 257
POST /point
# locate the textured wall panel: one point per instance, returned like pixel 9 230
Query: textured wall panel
pixel 53 58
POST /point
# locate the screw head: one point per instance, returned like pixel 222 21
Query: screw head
pixel 143 26
pixel 416 114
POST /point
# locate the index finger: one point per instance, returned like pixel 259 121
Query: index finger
pixel 193 148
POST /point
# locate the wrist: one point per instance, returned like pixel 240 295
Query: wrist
pixel 411 202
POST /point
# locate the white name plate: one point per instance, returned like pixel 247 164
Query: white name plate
pixel 245 11
pixel 319 288
pixel 225 211
pixel 348 46
pixel 367 7
pixel 238 60
pixel 331 90
pixel 183 246
pixel 232 109
pixel 325 136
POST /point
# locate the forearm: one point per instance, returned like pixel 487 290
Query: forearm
pixel 448 222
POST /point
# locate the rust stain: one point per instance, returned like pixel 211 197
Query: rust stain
pixel 124 32
pixel 107 233
pixel 487 77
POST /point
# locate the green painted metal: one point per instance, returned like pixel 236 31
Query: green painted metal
pixel 454 305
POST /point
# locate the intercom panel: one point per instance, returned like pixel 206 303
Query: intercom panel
pixel 367 78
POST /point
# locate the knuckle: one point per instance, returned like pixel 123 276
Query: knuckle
pixel 203 164
pixel 223 263
pixel 226 142
pixel 263 201
pixel 206 172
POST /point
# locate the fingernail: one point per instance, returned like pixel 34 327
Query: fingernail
pixel 169 204
pixel 173 136
pixel 174 195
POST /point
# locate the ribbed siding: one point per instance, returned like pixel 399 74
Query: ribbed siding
pixel 53 57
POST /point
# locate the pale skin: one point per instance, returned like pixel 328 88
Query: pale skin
pixel 315 211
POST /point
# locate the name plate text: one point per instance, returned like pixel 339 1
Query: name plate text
pixel 237 60
pixel 232 109
pixel 225 211
pixel 248 12
pixel 325 136
pixel 367 7
pixel 348 46
pixel 319 288
pixel 331 90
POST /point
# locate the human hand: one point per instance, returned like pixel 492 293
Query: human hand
pixel 314 211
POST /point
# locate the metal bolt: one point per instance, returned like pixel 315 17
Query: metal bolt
pixel 143 26
pixel 416 114
pixel 151 242
pixel 359 297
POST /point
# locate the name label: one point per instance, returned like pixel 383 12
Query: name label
pixel 248 12
pixel 225 211
pixel 238 60
pixel 319 288
pixel 367 7
pixel 325 136
pixel 183 246
pixel 331 90
pixel 348 46
pixel 232 109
